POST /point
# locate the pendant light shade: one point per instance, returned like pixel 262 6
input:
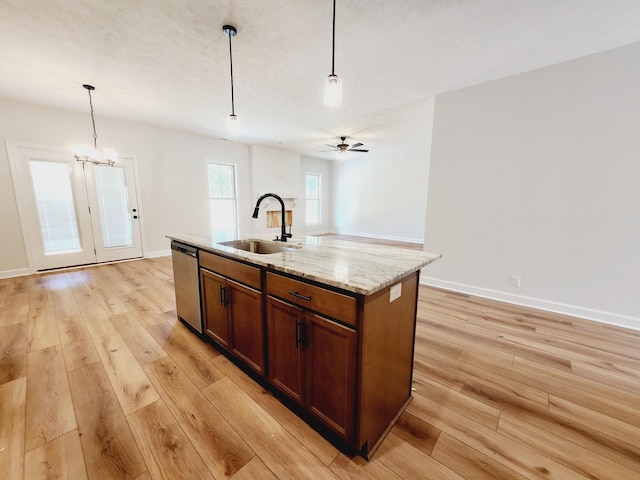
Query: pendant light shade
pixel 232 123
pixel 89 154
pixel 333 91
pixel 333 83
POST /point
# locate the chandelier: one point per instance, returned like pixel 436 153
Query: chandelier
pixel 89 154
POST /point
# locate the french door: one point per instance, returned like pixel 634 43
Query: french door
pixel 74 213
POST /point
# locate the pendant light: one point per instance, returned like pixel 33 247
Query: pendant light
pixel 88 154
pixel 233 125
pixel 333 83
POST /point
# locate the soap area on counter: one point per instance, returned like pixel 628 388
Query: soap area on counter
pixel 327 325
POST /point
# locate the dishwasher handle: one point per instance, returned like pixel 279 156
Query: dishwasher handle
pixel 184 249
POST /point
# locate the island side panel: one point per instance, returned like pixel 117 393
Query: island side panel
pixel 387 335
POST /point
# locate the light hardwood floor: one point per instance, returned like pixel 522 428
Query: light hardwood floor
pixel 99 380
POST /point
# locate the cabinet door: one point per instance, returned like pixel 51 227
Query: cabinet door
pixel 247 331
pixel 284 334
pixel 331 374
pixel 214 310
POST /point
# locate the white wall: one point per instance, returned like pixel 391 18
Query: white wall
pixel 537 175
pixel 171 167
pixel 275 171
pixel 172 175
pixel 384 195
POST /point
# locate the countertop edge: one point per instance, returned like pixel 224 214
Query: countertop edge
pixel 285 262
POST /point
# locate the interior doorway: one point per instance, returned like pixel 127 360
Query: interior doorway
pixel 74 213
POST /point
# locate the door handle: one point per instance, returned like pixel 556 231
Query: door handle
pixel 224 301
pixel 298 336
pixel 301 335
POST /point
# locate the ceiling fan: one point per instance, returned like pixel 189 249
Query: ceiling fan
pixel 343 147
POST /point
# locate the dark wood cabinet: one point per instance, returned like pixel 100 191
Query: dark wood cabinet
pixel 216 318
pixel 344 358
pixel 330 368
pixel 286 357
pixel 232 312
pixel 312 360
pixel 246 324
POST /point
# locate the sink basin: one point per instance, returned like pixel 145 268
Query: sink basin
pixel 257 246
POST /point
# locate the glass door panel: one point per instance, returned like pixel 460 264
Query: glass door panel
pixel 113 201
pixel 73 213
pixel 56 207
pixel 113 207
pixel 52 201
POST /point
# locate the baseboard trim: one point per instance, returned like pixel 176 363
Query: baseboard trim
pixel 381 237
pixel 18 272
pixel 317 232
pixel 541 304
pixel 159 253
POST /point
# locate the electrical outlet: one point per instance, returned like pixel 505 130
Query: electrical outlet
pixel 515 281
pixel 395 292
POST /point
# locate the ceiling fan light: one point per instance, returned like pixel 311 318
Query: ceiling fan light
pixel 342 155
pixel 333 91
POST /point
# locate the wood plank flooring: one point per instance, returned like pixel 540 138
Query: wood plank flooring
pixel 99 380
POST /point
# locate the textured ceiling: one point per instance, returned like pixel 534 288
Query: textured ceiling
pixel 166 62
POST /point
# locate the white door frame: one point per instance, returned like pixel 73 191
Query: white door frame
pixel 14 151
pixel 115 253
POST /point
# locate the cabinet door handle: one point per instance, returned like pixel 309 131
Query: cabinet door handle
pixel 223 296
pixel 301 335
pixel 297 295
pixel 298 334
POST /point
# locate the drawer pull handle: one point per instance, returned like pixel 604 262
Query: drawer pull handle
pixel 302 297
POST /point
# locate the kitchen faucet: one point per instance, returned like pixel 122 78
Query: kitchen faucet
pixel 284 235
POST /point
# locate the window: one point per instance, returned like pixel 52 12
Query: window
pixel 222 197
pixel 312 189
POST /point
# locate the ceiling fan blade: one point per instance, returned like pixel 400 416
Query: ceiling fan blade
pixel 356 145
pixel 332 146
pixel 357 150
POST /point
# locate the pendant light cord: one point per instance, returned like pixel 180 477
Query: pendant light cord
pixel 93 121
pixel 233 111
pixel 333 49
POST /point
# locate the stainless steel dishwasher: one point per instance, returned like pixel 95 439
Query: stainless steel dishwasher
pixel 187 284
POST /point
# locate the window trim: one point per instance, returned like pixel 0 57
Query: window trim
pixel 235 192
pixel 319 199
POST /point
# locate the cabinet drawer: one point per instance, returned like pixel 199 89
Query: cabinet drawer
pixel 231 269
pixel 333 304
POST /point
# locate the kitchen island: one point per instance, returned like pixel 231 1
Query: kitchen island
pixel 329 325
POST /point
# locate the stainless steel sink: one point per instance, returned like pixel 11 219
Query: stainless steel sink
pixel 257 246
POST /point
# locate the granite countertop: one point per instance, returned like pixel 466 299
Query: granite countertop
pixel 354 266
